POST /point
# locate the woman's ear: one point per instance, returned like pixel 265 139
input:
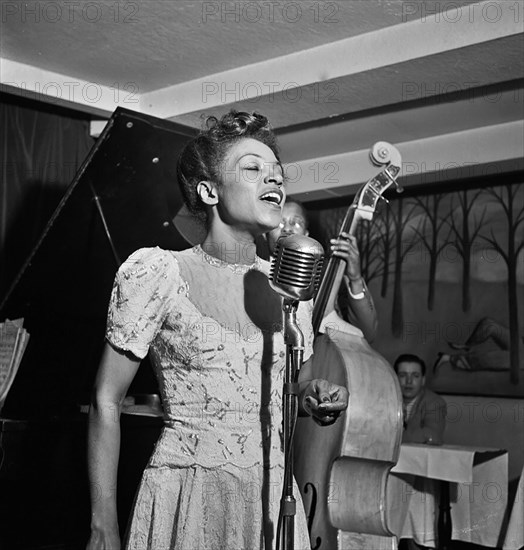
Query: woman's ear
pixel 207 192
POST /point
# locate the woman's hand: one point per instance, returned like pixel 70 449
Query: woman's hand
pixel 323 401
pixel 346 247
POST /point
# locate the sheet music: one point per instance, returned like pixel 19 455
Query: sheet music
pixel 13 342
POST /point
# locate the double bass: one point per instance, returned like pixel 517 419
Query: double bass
pixel 342 469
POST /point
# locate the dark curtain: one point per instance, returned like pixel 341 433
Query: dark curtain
pixel 42 148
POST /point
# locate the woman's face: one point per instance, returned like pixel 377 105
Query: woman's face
pixel 252 193
pixel 293 222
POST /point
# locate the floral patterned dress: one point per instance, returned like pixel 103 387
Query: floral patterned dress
pixel 214 334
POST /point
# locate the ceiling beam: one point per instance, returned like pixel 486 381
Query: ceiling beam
pixel 470 153
pixel 425 36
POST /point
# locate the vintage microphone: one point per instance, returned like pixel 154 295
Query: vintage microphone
pixel 296 267
pixel 295 273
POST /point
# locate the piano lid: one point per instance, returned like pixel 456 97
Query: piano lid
pixel 124 197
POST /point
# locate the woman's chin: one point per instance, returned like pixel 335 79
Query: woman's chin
pixel 271 222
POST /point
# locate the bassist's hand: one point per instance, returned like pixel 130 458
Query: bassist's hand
pixel 323 401
pixel 346 247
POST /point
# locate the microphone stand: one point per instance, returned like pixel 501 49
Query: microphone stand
pixel 294 340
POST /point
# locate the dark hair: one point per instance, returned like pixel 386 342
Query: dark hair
pixel 201 158
pixel 290 200
pixel 410 358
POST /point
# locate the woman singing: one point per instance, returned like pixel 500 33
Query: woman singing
pixel 213 328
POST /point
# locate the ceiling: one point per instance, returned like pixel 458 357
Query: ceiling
pixel 443 81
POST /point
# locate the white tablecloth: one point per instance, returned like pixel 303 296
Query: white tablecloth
pixel 514 537
pixel 478 492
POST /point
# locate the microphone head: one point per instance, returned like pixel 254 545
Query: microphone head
pixel 296 267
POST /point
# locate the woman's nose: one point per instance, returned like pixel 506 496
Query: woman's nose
pixel 273 176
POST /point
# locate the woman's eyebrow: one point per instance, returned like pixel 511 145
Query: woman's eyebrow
pixel 260 157
pixel 250 155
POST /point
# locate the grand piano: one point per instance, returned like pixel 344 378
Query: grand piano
pixel 124 197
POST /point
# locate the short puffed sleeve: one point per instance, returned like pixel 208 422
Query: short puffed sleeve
pixel 143 293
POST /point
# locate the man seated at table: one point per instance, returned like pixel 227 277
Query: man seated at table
pixel 424 411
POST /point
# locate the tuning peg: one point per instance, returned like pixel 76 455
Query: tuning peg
pixel 398 187
pixel 393 171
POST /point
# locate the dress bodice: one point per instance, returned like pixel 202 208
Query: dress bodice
pixel 214 334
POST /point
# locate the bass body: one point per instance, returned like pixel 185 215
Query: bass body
pixel 342 469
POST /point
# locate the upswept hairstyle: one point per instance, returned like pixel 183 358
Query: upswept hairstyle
pixel 410 358
pixel 202 157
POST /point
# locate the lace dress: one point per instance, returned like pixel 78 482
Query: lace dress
pixel 214 334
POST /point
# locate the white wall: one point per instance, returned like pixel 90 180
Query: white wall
pixel 488 422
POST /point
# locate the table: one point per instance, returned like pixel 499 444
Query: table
pixel 514 537
pixel 476 481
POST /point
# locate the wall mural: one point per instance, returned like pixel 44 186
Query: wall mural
pixel 446 270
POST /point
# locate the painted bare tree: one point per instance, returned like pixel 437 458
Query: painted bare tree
pixel 371 257
pixel 401 249
pixel 428 233
pixel 511 200
pixel 383 228
pixel 464 235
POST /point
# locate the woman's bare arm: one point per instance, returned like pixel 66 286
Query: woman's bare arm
pixel 115 374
